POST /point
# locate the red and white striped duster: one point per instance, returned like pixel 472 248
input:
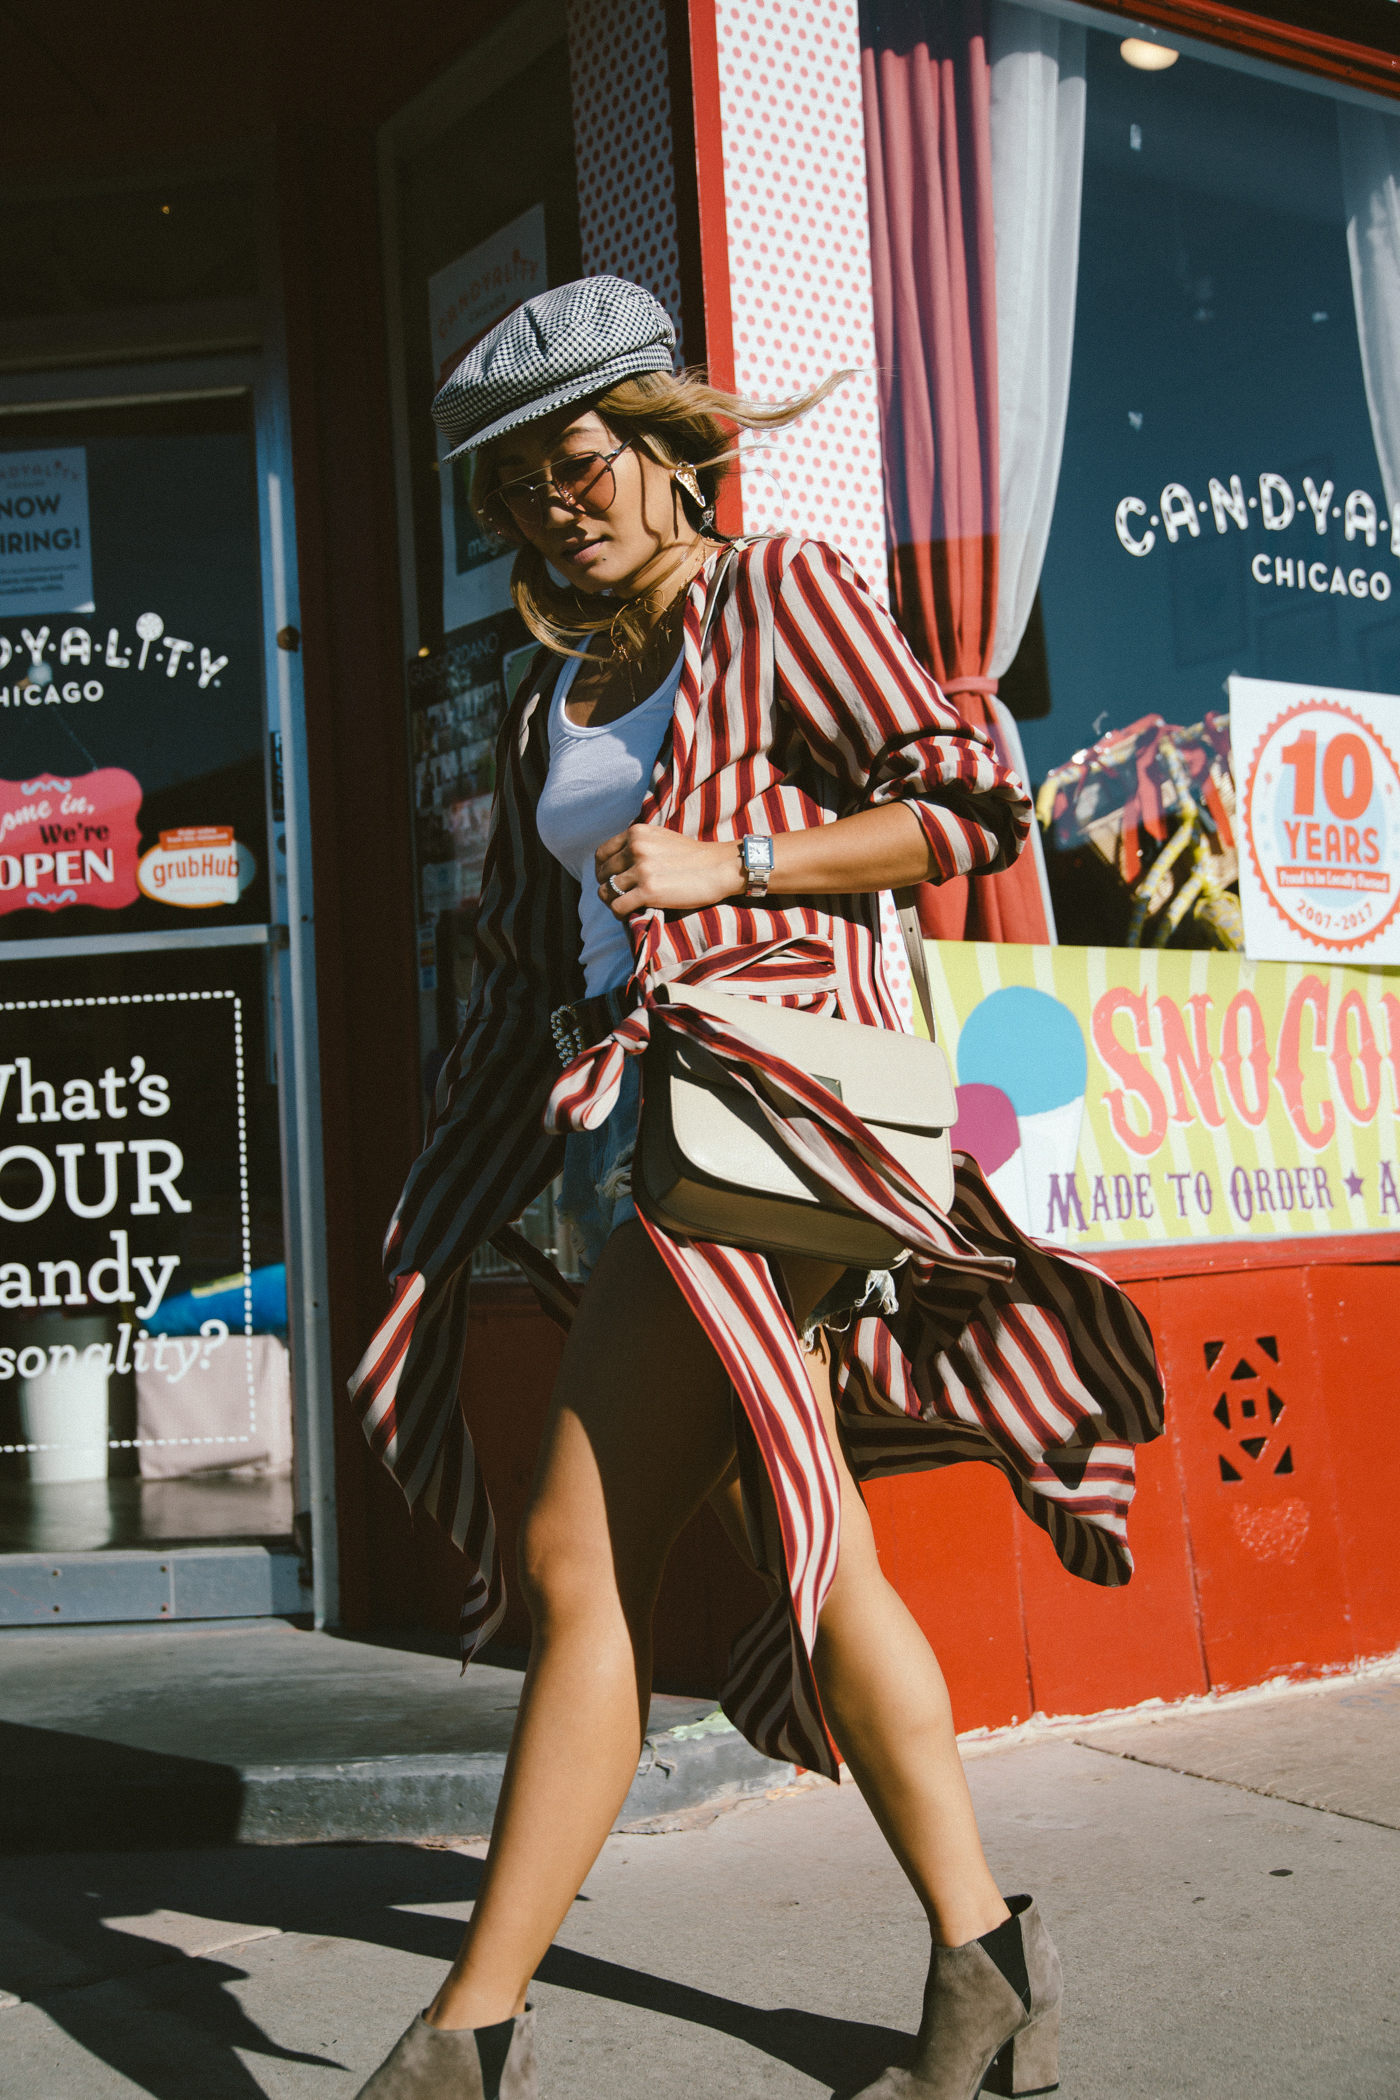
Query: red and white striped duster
pixel 805 705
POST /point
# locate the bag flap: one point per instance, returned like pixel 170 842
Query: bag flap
pixel 721 1136
pixel 880 1074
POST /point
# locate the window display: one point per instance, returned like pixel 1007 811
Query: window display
pixel 1160 512
pixel 1221 508
pixel 1155 798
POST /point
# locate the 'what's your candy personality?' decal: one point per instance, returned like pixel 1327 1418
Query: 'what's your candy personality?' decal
pixel 69 839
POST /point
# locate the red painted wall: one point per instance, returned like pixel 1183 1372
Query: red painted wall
pixel 1287 1569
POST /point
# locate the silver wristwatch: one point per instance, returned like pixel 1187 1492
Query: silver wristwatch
pixel 756 858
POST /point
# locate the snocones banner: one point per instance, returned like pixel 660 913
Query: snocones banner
pixel 1117 1097
pixel 69 840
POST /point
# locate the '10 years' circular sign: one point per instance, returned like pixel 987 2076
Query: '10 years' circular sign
pixel 1322 806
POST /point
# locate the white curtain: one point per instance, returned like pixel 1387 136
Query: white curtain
pixel 1370 147
pixel 1037 134
pixel 1037 138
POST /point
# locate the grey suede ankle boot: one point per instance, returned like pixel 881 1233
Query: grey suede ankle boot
pixel 991 2017
pixel 459 2063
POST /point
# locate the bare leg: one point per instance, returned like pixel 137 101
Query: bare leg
pixel 639 1431
pixel 887 1706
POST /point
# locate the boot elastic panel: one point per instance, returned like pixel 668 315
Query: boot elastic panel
pixel 492 2049
pixel 1008 1950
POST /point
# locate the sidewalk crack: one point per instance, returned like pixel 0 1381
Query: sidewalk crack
pixel 1162 1764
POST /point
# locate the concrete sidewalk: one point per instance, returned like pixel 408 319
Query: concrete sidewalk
pixel 1223 1882
pixel 257 1732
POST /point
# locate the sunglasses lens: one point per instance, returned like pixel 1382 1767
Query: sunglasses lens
pixel 575 475
pixel 498 514
pixel 522 501
pixel 580 480
pixel 585 481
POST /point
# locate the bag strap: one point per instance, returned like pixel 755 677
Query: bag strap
pixel 726 555
pixel 914 949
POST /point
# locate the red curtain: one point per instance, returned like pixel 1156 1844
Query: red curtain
pixel 927 92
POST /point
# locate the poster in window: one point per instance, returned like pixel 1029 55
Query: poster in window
pixel 1319 793
pixel 465 300
pixel 456 703
pixel 1120 1097
pixel 132 766
pixel 45 535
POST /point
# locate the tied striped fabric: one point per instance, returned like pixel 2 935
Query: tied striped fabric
pixel 803 704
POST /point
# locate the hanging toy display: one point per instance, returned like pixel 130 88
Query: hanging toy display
pixel 1140 829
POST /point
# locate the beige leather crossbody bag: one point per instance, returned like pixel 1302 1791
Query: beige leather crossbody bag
pixel 708 1165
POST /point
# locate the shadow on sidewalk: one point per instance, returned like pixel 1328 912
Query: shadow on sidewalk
pixel 166 2021
pixel 88 1793
pixel 845 2054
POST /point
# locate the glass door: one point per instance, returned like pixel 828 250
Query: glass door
pixel 164 1432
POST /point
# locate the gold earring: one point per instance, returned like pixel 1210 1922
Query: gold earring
pixel 685 474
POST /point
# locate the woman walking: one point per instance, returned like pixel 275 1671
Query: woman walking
pixel 723 760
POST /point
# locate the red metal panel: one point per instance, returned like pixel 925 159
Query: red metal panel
pixel 1354 1314
pixel 1092 1648
pixel 699 144
pixel 947 1542
pixel 1248 1420
pixel 1228 1256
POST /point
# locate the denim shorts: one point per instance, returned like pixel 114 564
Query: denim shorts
pixel 596 1197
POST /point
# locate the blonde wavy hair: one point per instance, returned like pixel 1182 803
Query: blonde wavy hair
pixel 675 418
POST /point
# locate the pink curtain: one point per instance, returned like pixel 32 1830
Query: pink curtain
pixel 927 92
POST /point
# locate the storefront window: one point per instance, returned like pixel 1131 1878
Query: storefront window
pixel 135 753
pixel 1188 387
pixel 1220 509
pixel 145 1393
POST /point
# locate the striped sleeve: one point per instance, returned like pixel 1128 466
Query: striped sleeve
pixel 874 717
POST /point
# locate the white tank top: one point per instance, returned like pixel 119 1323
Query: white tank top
pixel 596 784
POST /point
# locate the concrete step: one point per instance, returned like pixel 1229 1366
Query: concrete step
pixel 258 1732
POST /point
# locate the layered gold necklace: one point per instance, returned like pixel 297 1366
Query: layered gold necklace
pixel 663 637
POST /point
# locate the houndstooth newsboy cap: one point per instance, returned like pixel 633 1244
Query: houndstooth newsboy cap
pixel 561 346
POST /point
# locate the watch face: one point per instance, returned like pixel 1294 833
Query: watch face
pixel 758 856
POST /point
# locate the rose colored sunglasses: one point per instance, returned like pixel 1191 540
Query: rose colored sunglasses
pixel 581 481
